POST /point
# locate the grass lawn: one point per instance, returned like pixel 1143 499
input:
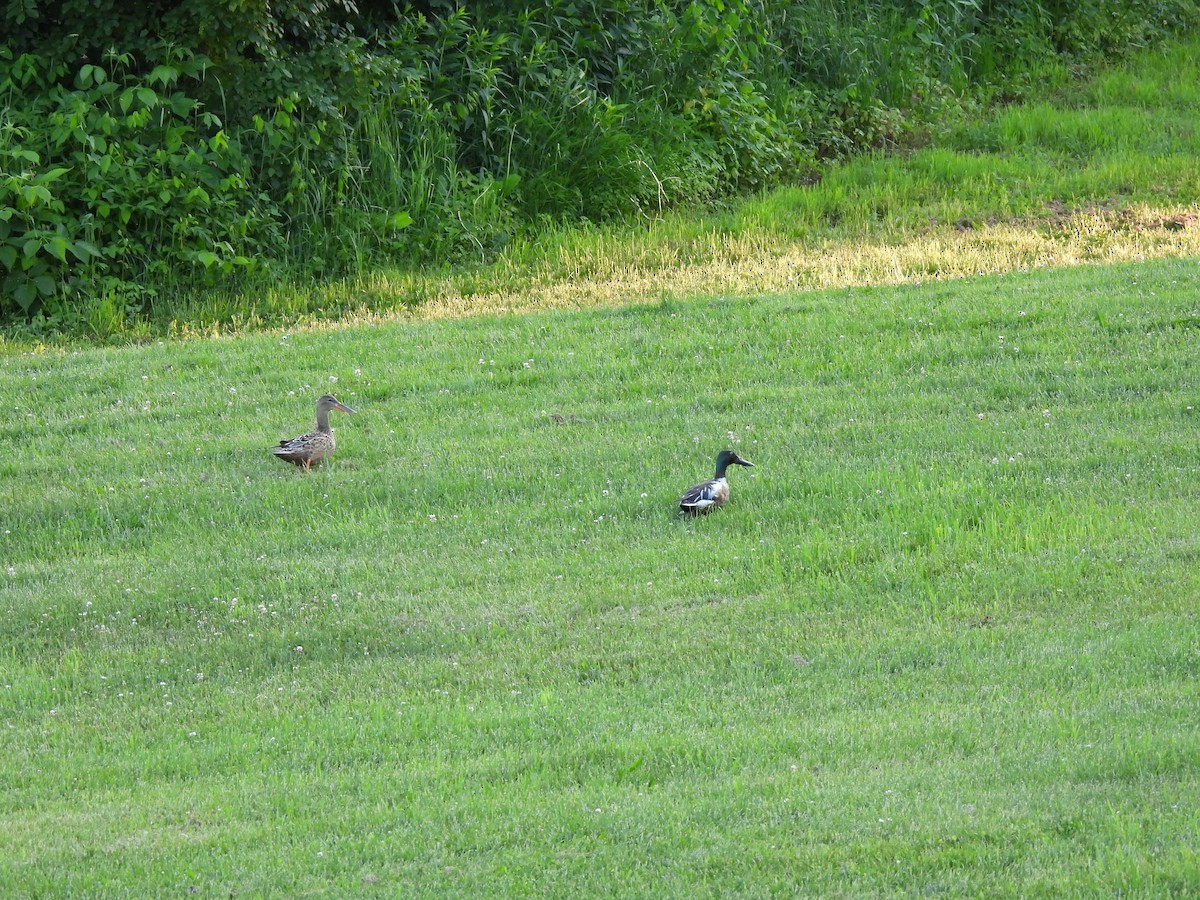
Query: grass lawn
pixel 943 640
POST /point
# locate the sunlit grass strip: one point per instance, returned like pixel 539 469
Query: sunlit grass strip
pixel 752 265
pixel 600 271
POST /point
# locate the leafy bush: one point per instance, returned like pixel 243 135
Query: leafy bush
pixel 117 180
pixel 150 149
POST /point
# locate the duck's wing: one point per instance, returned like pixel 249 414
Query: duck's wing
pixel 704 496
pixel 311 447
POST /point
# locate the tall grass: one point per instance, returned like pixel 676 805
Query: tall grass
pixel 288 143
pixel 1095 170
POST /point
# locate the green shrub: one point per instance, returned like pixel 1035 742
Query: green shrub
pixel 151 149
pixel 120 180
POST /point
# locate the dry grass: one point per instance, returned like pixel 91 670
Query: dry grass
pixel 719 264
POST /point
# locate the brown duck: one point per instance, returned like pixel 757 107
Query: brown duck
pixel 309 449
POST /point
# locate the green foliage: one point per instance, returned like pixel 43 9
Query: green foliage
pixel 34 243
pixel 119 181
pixel 151 149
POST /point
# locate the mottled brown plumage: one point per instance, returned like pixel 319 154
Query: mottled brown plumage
pixel 309 449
